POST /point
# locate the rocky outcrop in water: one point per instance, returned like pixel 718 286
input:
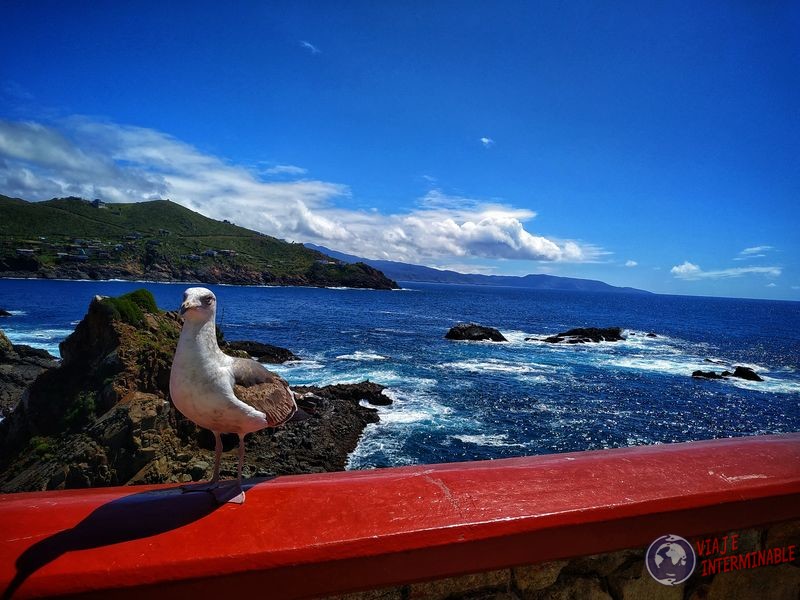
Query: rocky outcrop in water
pixel 368 391
pixel 265 353
pixel 474 333
pixel 103 416
pixel 4 313
pixel 741 372
pixel 20 365
pixel 583 335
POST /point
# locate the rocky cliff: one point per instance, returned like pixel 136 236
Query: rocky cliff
pixel 103 416
pixel 20 365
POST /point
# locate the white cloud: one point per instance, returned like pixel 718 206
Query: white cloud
pixel 689 270
pixel 755 250
pixel 686 270
pixel 487 142
pixel 117 163
pixel 310 47
pixel 771 285
pixel 291 170
pixel 631 263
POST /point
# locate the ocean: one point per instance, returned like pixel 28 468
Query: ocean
pixel 456 401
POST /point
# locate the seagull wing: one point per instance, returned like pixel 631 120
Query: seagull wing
pixel 263 390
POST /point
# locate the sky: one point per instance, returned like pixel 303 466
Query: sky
pixel 645 144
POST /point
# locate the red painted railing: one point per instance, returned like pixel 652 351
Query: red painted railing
pixel 309 535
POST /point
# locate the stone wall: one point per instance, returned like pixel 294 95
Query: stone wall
pixel 621 575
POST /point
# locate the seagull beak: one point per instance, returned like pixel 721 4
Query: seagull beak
pixel 188 305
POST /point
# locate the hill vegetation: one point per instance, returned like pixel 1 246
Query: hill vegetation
pixel 160 240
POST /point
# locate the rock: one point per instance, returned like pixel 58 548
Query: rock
pixel 746 373
pixel 531 578
pixel 265 353
pixel 353 392
pixel 766 583
pixel 583 335
pixel 740 372
pixel 6 347
pixel 707 375
pixel 472 585
pixel 20 365
pixel 4 313
pixel 474 332
pixel 651 335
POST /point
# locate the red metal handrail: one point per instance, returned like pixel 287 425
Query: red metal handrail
pixel 307 535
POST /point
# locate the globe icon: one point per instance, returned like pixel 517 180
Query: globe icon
pixel 670 559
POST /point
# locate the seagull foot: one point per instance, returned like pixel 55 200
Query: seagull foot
pixel 208 486
pixel 230 494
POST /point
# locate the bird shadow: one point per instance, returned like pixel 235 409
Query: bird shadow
pixel 133 517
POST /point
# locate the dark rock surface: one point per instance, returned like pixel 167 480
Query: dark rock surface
pixel 583 335
pixel 740 372
pixel 20 365
pixel 474 332
pixel 746 373
pixel 4 313
pixel 709 374
pixel 103 416
pixel 265 353
pixel 352 392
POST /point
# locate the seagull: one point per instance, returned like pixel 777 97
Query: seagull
pixel 220 392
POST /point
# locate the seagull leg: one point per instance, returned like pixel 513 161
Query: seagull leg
pixel 214 483
pixel 233 493
pixel 239 471
pixel 217 457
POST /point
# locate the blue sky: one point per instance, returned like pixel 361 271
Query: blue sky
pixel 655 145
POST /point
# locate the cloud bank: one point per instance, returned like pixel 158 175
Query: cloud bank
pixel 93 159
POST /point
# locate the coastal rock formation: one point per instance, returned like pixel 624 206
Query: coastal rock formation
pixel 746 373
pixel 710 374
pixel 583 335
pixel 265 353
pixel 353 392
pixel 739 371
pixel 4 313
pixel 474 332
pixel 20 365
pixel 103 416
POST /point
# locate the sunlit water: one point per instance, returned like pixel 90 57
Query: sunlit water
pixel 467 401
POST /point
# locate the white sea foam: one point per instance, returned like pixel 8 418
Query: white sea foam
pixel 660 364
pixel 17 313
pixel 46 339
pixel 516 338
pixel 482 439
pixel 413 408
pixel 493 365
pixel 358 355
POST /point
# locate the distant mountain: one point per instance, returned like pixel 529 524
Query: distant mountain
pixel 406 272
pixel 72 238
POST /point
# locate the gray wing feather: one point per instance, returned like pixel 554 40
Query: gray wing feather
pixel 263 390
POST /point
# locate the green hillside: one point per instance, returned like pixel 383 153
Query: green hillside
pixel 72 237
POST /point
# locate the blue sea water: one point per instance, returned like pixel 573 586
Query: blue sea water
pixel 467 401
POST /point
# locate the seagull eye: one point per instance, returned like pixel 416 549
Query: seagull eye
pixel 208 299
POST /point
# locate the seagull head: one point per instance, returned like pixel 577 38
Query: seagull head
pixel 199 304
